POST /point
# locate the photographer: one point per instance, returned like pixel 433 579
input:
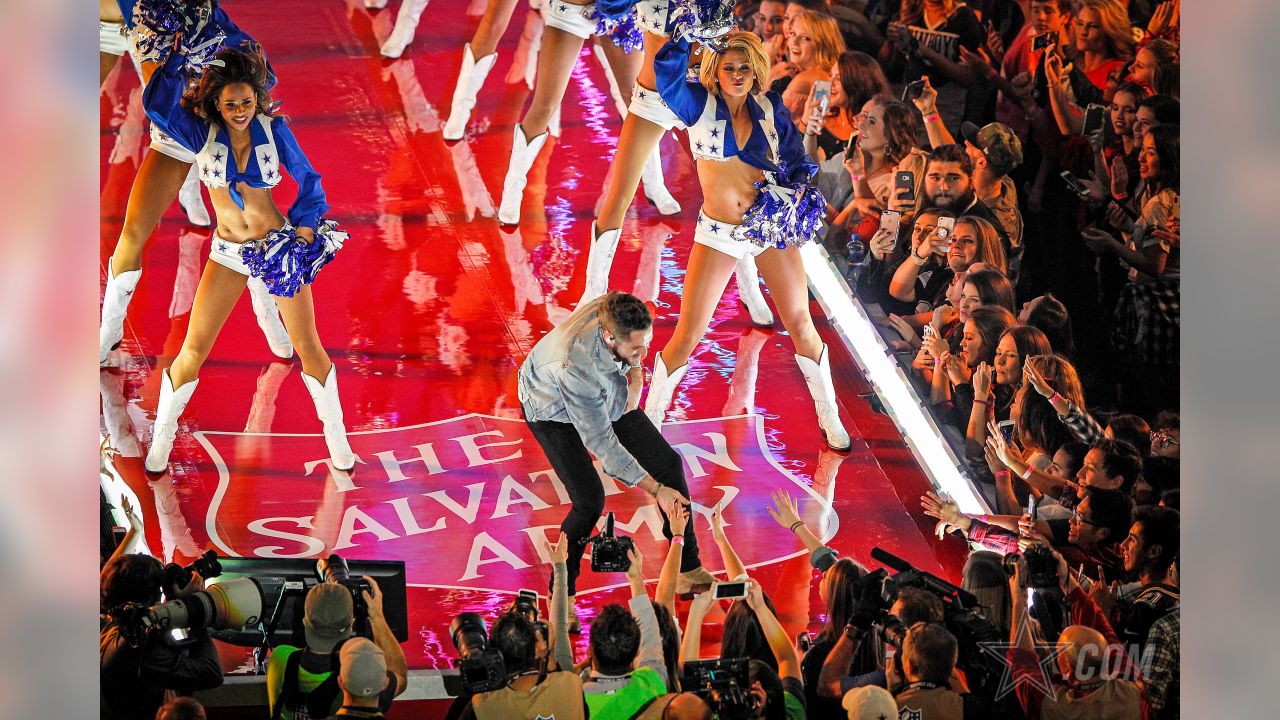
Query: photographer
pixel 627 667
pixel 1084 690
pixel 913 606
pixel 541 681
pixel 303 678
pixel 134 678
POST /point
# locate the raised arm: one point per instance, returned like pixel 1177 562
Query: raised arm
pixel 774 634
pixel 561 648
pixel 732 563
pixel 670 68
pixel 692 644
pixel 665 594
pixel 160 99
pixel 650 653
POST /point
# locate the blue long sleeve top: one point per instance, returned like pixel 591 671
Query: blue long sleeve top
pixel 774 146
pixel 274 146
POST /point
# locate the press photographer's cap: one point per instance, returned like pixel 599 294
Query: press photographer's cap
pixel 364 668
pixel 999 143
pixel 329 616
pixel 869 702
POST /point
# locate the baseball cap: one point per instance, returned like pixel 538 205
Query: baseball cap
pixel 870 702
pixel 364 668
pixel 997 141
pixel 329 615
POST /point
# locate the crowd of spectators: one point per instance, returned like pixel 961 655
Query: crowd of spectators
pixel 1003 190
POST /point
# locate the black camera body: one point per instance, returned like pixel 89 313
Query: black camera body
pixel 1042 568
pixel 608 551
pixel 177 577
pixel 334 569
pixel 1044 40
pixel 724 683
pixel 481 666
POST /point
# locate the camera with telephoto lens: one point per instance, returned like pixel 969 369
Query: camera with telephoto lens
pixel 177 577
pixel 608 551
pixel 333 569
pixel 223 606
pixel 481 666
pixel 724 683
pixel 1042 568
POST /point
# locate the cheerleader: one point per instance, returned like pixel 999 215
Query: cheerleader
pixel 637 157
pixel 168 171
pixel 241 146
pixel 758 202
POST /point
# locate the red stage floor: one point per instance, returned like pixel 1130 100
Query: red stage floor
pixel 428 311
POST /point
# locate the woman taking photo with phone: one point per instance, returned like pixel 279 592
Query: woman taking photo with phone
pixel 855 79
pixel 740 136
pixel 241 146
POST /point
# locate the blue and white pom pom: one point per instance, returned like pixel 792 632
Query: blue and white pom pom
pixel 623 31
pixel 787 214
pixel 285 263
pixel 701 21
pixel 157 22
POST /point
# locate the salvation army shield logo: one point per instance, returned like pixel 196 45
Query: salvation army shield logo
pixel 467 502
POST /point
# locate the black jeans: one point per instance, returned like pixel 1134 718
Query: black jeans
pixel 569 458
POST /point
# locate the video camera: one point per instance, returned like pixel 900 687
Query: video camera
pixel 609 552
pixel 960 615
pixel 724 683
pixel 334 569
pixel 481 666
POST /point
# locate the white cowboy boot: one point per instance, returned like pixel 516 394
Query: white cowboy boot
pixel 115 304
pixel 329 410
pixel 524 65
pixel 817 375
pixel 661 388
pixel 470 80
pixel 749 291
pixel 599 260
pixel 172 403
pixel 523 153
pixel 191 201
pixel 406 26
pixel 268 315
pixel 655 185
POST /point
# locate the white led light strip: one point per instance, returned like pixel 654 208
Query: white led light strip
pixel 889 382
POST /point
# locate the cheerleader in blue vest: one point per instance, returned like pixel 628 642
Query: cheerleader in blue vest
pixel 168 170
pixel 757 202
pixel 240 147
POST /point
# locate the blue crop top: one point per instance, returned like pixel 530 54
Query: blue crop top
pixel 774 146
pixel 274 146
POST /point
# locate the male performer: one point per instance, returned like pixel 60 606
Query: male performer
pixel 580 390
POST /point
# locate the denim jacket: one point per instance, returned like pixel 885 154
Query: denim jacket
pixel 571 376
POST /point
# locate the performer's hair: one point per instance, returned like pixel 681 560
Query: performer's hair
pixel 741 41
pixel 627 313
pixel 233 67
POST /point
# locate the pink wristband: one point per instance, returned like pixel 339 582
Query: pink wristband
pixel 1055 398
pixel 677 539
pixel 1026 474
pixel 931 117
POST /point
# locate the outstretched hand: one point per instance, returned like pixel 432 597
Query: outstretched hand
pixel 784 510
